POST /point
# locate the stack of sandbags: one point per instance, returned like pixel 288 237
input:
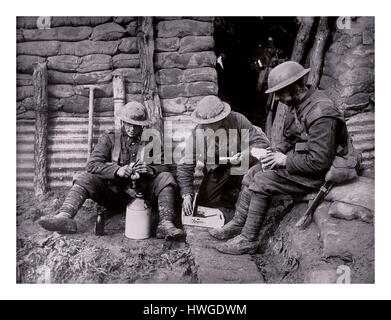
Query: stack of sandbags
pixel 78 51
pixel 348 76
pixel 348 72
pixel 184 62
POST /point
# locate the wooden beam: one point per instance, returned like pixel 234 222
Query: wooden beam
pixel 303 35
pixel 146 47
pixel 317 52
pixel 40 83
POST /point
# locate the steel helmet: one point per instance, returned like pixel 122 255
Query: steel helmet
pixel 210 109
pixel 133 112
pixel 285 74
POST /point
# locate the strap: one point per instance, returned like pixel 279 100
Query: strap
pixel 117 146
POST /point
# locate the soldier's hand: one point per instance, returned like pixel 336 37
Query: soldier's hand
pixel 187 205
pixel 274 160
pixel 144 169
pixel 236 159
pixel 124 172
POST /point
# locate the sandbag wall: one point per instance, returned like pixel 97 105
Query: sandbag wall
pixel 348 75
pixel 90 50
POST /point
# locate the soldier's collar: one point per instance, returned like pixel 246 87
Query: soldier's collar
pixel 306 100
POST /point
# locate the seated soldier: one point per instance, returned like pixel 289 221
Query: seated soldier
pixel 212 113
pixel 107 179
pixel 299 164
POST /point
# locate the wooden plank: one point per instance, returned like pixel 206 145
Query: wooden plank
pixel 146 47
pixel 40 83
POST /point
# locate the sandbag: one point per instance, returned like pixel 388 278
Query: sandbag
pixel 187 90
pixel 169 76
pixel 87 47
pixel 101 91
pixel 65 63
pixel 26 22
pixel 38 48
pixel 125 60
pixel 175 75
pixel 93 77
pixel 195 44
pixel 200 74
pixel 130 74
pixel 23 79
pixel 108 31
pixel 128 45
pixel 183 27
pixel 57 21
pixel 60 33
pixel 27 104
pixel 60 91
pixel 79 104
pixel 124 20
pixel 56 77
pixel 131 28
pixel 166 44
pixel 24 92
pixel 95 62
pixel 185 60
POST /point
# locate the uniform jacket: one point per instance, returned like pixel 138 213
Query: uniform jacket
pixel 100 161
pixel 312 139
pixel 233 121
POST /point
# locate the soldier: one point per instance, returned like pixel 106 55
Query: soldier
pixel 107 179
pixel 316 133
pixel 212 113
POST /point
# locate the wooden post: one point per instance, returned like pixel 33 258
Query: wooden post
pixel 40 81
pixel 119 98
pixel 119 101
pixel 317 52
pixel 146 48
pixel 303 35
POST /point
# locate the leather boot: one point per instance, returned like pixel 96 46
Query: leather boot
pixel 234 227
pixel 166 228
pixel 247 241
pixel 63 221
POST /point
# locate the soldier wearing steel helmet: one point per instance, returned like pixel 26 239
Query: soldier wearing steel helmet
pixel 314 132
pixel 212 113
pixel 114 159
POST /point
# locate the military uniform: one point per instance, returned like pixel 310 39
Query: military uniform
pixel 108 177
pixel 217 178
pixel 312 138
pixel 101 181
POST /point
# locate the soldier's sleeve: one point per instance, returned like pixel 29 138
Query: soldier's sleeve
pixel 290 135
pixel 185 170
pixel 319 149
pixel 100 163
pixel 257 138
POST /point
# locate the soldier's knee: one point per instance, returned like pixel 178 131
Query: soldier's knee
pixel 249 177
pixel 85 179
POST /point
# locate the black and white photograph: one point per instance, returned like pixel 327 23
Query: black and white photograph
pixel 195 149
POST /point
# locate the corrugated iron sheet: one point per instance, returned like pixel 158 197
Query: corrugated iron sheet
pixel 362 131
pixel 67 144
pixel 67 147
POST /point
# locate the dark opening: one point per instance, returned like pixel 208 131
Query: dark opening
pixel 247 48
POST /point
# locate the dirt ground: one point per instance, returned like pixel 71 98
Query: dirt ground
pixel 47 257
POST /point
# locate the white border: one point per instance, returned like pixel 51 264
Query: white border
pixel 10 290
